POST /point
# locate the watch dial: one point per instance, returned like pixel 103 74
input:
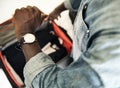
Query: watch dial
pixel 29 38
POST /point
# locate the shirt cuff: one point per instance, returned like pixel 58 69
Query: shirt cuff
pixel 36 65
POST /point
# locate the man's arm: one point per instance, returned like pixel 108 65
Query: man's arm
pixel 26 20
pixel 66 5
pixel 56 12
pixel 40 71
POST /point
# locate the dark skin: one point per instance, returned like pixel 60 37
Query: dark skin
pixel 56 12
pixel 26 20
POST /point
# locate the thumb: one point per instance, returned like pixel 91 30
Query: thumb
pixel 43 16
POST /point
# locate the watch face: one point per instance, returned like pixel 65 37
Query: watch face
pixel 29 38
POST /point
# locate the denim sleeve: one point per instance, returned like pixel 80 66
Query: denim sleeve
pixel 72 4
pixel 77 75
pixel 41 72
pixel 36 65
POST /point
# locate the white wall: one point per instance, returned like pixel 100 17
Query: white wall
pixel 7 7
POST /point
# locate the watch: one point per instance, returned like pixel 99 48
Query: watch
pixel 27 39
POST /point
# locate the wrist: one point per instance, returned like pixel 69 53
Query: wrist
pixel 29 45
pixel 30 50
pixel 20 35
pixel 27 38
pixel 21 31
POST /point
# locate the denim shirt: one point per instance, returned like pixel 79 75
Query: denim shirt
pixel 96 50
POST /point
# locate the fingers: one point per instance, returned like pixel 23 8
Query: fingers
pixel 54 15
pixel 36 9
pixel 43 16
pixel 29 14
pixel 15 16
pixel 33 9
pixel 21 12
pixel 29 9
pixel 16 12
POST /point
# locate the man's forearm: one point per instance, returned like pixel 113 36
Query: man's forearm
pixel 61 7
pixel 31 50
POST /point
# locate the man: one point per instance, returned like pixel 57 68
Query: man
pixel 64 6
pixel 95 44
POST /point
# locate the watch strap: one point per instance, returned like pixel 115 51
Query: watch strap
pixel 21 41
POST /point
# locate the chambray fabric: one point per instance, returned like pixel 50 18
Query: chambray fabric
pixel 96 51
pixel 72 4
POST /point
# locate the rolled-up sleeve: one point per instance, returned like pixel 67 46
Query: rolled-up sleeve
pixel 35 65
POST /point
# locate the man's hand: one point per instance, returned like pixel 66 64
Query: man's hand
pixel 26 20
pixel 56 12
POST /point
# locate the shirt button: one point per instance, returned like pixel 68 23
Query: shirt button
pixel 88 31
pixel 84 10
pixel 85 6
